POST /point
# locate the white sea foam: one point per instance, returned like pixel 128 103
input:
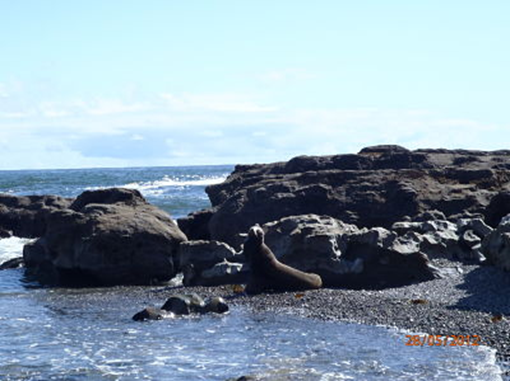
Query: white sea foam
pixel 12 247
pixel 157 187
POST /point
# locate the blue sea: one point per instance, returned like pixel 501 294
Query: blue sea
pixel 88 334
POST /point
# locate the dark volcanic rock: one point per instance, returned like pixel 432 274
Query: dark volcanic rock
pixel 377 187
pixel 150 314
pixel 195 225
pixel 344 255
pixel 210 263
pixel 495 246
pixel 5 233
pixel 444 239
pixel 125 196
pixel 12 263
pixel 107 237
pixel 497 209
pixel 184 304
pixel 26 216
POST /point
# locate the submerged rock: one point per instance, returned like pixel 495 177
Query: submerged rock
pixel 183 304
pixel 12 263
pixel 151 314
pixel 107 237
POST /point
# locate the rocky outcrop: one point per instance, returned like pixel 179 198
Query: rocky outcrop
pixel 444 239
pixel 210 263
pixel 495 246
pixel 379 186
pixel 26 216
pixel 344 255
pixel 107 237
pixel 497 209
pixel 195 225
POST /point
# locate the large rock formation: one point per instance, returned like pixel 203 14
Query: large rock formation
pixel 378 186
pixel 26 216
pixel 344 255
pixel 107 237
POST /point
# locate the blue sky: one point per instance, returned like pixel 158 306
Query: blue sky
pixel 136 83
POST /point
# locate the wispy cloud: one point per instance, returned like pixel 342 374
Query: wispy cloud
pixel 288 74
pixel 115 106
pixel 176 129
pixel 236 103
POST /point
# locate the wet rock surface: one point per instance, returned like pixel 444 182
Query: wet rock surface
pixel 12 263
pixel 183 304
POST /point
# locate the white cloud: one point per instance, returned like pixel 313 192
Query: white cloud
pixel 137 137
pixel 214 102
pixel 103 106
pixel 52 110
pixel 286 75
pixel 15 115
pixel 213 128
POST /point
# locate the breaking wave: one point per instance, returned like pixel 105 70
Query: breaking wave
pixel 168 181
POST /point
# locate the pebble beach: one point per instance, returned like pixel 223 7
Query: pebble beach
pixel 471 300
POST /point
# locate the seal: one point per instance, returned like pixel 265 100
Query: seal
pixel 267 273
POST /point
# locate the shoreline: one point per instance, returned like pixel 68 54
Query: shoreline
pixel 462 303
pixel 469 301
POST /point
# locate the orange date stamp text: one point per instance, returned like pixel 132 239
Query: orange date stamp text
pixel 439 340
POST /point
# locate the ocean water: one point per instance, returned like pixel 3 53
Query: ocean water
pixel 177 190
pixel 88 334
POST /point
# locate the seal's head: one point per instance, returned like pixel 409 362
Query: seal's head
pixel 256 234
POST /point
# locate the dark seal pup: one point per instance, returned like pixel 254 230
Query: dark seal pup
pixel 267 273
